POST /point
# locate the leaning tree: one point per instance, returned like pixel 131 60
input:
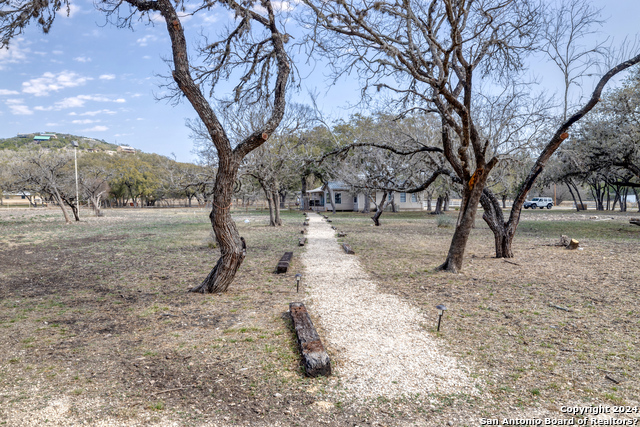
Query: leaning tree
pixel 436 55
pixel 253 49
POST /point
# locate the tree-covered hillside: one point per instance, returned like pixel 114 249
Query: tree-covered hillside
pixel 63 140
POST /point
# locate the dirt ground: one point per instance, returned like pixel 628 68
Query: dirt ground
pixel 96 326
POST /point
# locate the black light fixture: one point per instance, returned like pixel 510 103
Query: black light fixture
pixel 298 277
pixel 441 309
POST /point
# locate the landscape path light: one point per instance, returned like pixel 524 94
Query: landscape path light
pixel 441 309
pixel 298 277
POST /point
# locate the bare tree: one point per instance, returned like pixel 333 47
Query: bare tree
pixel 255 44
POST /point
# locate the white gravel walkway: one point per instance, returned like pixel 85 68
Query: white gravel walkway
pixel 381 348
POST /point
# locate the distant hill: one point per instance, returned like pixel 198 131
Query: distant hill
pixel 59 141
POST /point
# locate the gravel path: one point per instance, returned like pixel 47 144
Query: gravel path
pixel 382 349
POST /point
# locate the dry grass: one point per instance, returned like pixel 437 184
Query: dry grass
pixel 96 326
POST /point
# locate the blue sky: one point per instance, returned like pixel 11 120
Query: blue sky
pixel 98 81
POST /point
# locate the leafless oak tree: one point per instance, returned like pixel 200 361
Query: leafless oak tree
pixel 255 44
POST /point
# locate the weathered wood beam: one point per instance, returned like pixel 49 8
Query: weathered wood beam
pixel 347 249
pixel 283 264
pixel 314 357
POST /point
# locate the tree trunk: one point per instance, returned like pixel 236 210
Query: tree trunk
pixel 494 218
pixel 466 220
pixel 637 200
pixel 446 203
pixel 56 195
pixel 380 208
pixel 394 208
pixel 276 205
pixel 331 199
pixel 504 201
pixel 232 246
pixel 304 198
pixel 271 203
pixel 439 202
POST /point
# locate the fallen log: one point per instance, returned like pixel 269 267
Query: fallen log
pixel 283 264
pixel 347 249
pixel 634 221
pixel 314 357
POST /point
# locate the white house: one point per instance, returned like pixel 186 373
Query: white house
pixel 345 199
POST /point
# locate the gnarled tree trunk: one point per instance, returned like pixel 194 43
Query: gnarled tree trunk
pixel 232 246
pixel 466 218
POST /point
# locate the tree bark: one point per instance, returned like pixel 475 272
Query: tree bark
pixel 466 219
pixel 380 208
pixel 276 205
pixel 56 195
pixel 331 199
pixel 232 246
pixel 438 210
pixel 304 202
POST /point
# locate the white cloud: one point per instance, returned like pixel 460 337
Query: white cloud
pixel 50 82
pixel 5 92
pixel 80 100
pixel 144 41
pixel 82 59
pixel 96 129
pixel 107 77
pixel 93 113
pixel 15 54
pixel 84 121
pixel 57 52
pixel 18 108
pixel 50 125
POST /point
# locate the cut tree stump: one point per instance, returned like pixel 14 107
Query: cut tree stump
pixel 314 357
pixel 573 244
pixel 302 241
pixel 283 264
pixel 634 221
pixel 347 249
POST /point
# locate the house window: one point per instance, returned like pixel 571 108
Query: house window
pixel 403 197
pixel 338 198
pixel 355 200
pixel 414 197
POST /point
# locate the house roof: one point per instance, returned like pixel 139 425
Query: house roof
pixel 337 185
pixel 334 185
pixel 41 138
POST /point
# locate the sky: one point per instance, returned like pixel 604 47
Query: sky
pixel 92 79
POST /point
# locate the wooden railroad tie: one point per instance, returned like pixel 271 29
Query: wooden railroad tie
pixel 302 241
pixel 342 234
pixel 283 264
pixel 314 357
pixel 328 220
pixel 347 249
